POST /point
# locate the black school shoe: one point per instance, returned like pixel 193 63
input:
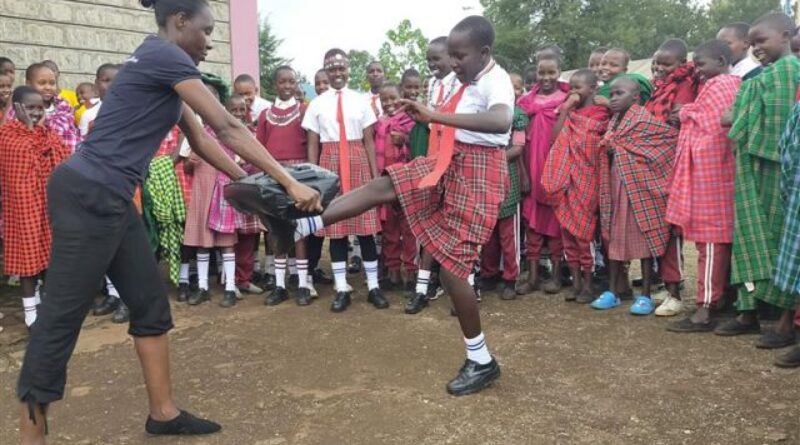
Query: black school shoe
pixel 377 299
pixel 734 327
pixel 200 296
pixel 789 360
pixel 774 340
pixel 183 292
pixel 687 326
pixel 473 378
pixel 303 296
pixel 356 265
pixel 122 314
pixel 340 302
pixel 320 277
pixel 278 296
pixel 107 306
pixel 416 304
pixel 228 299
pixel 185 424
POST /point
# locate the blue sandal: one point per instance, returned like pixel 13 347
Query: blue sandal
pixel 642 306
pixel 607 300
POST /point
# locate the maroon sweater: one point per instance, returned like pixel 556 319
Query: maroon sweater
pixel 280 132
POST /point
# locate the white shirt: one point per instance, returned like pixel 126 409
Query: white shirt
pixel 744 66
pixel 89 116
pixel 321 115
pixel 374 99
pixel 259 105
pixel 448 85
pixel 493 88
pixel 281 105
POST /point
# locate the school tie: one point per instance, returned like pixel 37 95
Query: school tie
pixel 442 142
pixel 434 149
pixel 344 147
pixel 440 98
pixel 375 105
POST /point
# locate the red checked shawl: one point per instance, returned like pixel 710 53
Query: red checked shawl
pixel 678 88
pixel 701 199
pixel 570 177
pixel 644 152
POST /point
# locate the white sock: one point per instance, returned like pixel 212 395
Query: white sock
pixel 38 296
pixel 29 303
pixel 292 266
pixel 477 350
pixel 218 257
pixel 202 270
pixel 371 268
pixel 340 276
pixel 269 261
pixel 471 279
pixel 257 265
pixel 280 272
pixel 302 273
pixel 112 290
pixel 229 266
pixel 307 226
pixel 183 278
pixel 423 280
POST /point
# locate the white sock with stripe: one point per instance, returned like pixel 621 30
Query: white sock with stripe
pixel 29 303
pixel 229 265
pixel 340 275
pixel 371 268
pixel 302 273
pixel 280 272
pixel 307 226
pixel 423 280
pixel 183 276
pixel 477 350
pixel 202 270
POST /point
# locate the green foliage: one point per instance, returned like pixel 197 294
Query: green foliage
pixel 405 47
pixel 723 12
pixel 358 69
pixel 268 44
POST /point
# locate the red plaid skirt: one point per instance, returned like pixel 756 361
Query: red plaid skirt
pixel 454 219
pixel 367 223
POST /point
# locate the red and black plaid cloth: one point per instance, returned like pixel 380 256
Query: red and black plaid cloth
pixel 678 88
pixel 570 178
pixel 644 152
pixel 27 158
pixel 456 217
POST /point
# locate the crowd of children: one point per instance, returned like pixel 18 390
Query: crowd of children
pixel 604 168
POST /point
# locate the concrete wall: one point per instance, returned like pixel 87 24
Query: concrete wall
pixel 80 35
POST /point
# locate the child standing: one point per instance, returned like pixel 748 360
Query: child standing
pixel 452 201
pixel 571 178
pixel 541 105
pixel 8 68
pixel 595 60
pixel 736 36
pixel 702 183
pixel 6 87
pixel 59 114
pixel 321 82
pixel 341 138
pixel 246 86
pixel 760 113
pixel 504 241
pixel 29 151
pixel 87 96
pixel 614 64
pixel 375 78
pixel 281 133
pixel 633 193
pixel 102 81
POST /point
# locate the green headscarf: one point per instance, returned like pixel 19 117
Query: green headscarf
pixel 220 85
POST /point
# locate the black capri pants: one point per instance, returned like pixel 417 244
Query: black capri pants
pixel 95 231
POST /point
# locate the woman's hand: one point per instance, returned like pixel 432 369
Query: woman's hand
pixel 418 111
pixel 305 198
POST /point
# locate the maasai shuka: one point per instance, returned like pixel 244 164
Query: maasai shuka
pixel 571 177
pixel 61 119
pixel 27 158
pixel 644 152
pixel 701 199
pixel 678 88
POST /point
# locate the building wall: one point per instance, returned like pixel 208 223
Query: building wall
pixel 80 35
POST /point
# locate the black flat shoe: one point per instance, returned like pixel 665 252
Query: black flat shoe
pixel 386 285
pixel 789 360
pixel 278 296
pixel 228 299
pixel 198 297
pixel 687 326
pixel 509 291
pixel 267 282
pixel 416 304
pixel 473 378
pixel 107 306
pixel 340 302
pixel 377 299
pixel 356 265
pixel 320 277
pixel 122 314
pixel 774 340
pixel 303 296
pixel 734 327
pixel 185 424
pixel 183 292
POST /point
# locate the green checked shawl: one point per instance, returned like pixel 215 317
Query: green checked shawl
pixel 169 211
pixel 787 270
pixel 513 195
pixel 760 113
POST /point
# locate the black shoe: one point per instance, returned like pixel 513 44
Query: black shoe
pixel 688 326
pixel 184 425
pixel 340 302
pixel 228 299
pixel 377 299
pixel 416 304
pixel 386 285
pixel 320 277
pixel 356 265
pixel 303 296
pixel 774 340
pixel 473 378
pixel 790 359
pixel 278 296
pixel 267 282
pixel 183 292
pixel 488 284
pixel 107 306
pixel 122 314
pixel 201 296
pixel 509 291
pixel 294 281
pixel 735 327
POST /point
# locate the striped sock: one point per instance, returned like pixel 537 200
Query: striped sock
pixel 302 273
pixel 184 274
pixel 307 226
pixel 477 350
pixel 202 270
pixel 423 280
pixel 371 267
pixel 340 275
pixel 29 303
pixel 280 272
pixel 229 265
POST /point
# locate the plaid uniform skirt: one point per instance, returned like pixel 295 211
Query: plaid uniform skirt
pixel 454 219
pixel 197 232
pixel 627 240
pixel 362 225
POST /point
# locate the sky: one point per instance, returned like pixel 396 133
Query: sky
pixel 310 27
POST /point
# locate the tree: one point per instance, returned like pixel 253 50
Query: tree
pixel 723 12
pixel 405 47
pixel 358 69
pixel 268 45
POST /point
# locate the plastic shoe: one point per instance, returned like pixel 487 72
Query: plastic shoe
pixel 670 307
pixel 642 306
pixel 606 300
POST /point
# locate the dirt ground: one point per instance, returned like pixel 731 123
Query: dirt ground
pixel 291 375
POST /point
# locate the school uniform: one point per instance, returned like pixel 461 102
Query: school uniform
pixel 746 68
pixel 322 118
pixel 375 104
pixel 453 212
pixel 259 106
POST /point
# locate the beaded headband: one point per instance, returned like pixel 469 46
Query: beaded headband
pixel 335 61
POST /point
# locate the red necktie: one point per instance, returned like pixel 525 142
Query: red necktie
pixel 344 147
pixel 442 142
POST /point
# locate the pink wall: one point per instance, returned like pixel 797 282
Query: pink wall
pixel 244 38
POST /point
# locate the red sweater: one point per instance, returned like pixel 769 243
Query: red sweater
pixel 280 132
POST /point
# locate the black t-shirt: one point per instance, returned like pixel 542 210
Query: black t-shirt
pixel 139 109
